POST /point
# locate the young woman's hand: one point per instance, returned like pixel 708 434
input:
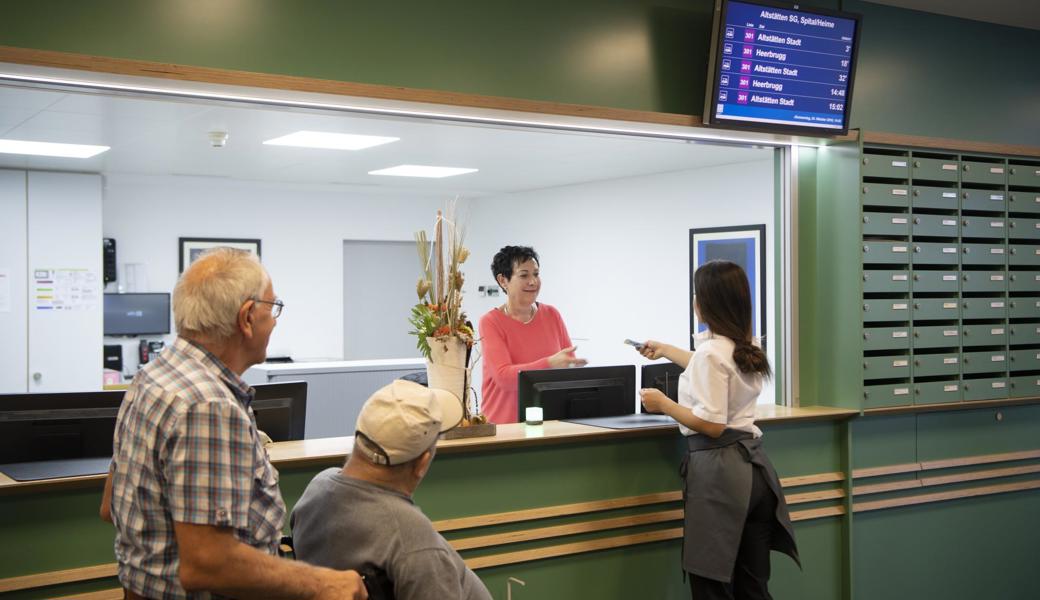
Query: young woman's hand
pixel 654 350
pixel 654 400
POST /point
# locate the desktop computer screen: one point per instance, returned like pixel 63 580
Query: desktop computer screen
pixel 137 314
pixel 71 425
pixel 578 393
pixel 281 409
pixel 664 377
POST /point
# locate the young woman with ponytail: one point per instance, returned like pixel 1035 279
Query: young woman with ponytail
pixel 734 509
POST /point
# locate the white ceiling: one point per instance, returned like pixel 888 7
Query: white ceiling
pixel 169 136
pixel 1014 13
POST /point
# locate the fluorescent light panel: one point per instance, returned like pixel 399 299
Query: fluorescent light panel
pixel 50 149
pixel 330 141
pixel 422 171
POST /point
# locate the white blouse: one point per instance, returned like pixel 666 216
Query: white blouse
pixel 714 388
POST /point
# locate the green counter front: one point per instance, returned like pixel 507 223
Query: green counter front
pixel 945 505
pixel 570 510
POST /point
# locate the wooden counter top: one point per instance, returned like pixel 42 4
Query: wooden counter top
pixel 332 451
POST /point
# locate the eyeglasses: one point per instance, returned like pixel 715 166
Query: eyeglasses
pixel 276 306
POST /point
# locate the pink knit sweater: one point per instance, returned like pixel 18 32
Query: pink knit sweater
pixel 509 347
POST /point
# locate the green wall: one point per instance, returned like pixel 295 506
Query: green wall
pixel 964 548
pixel 631 54
pixel 924 74
pixel 918 73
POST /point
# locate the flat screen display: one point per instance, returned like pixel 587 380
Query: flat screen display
pixel 280 409
pixel 578 393
pixel 137 314
pixel 781 67
pixel 56 426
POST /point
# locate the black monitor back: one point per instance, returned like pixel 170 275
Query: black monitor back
pixel 281 409
pixel 664 377
pixel 578 393
pixel 37 427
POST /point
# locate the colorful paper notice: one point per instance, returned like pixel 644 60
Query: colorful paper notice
pixel 65 289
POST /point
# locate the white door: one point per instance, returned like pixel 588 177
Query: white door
pixel 13 327
pixel 64 281
pixel 378 295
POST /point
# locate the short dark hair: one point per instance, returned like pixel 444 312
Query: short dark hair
pixel 509 257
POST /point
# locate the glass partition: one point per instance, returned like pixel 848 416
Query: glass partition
pixel 610 213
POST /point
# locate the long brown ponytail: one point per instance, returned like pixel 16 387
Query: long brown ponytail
pixel 724 302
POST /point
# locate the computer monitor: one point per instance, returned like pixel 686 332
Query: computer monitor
pixel 137 314
pixel 281 409
pixel 57 426
pixel 664 377
pixel 578 393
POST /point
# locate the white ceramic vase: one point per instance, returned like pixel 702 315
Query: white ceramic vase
pixel 447 369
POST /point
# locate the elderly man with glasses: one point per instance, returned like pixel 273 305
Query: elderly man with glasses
pixel 192 494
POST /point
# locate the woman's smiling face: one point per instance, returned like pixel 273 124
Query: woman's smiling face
pixel 524 285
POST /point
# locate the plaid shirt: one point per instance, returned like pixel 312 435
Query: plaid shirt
pixel 186 449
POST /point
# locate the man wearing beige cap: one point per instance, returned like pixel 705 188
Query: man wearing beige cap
pixel 362 516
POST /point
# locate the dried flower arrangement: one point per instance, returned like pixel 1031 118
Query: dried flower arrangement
pixel 444 334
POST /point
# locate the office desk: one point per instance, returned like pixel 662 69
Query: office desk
pixel 336 390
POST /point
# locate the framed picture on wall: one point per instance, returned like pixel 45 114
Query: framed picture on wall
pixel 192 248
pixel 744 245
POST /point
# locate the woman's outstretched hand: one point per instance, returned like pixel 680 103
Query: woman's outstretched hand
pixel 565 358
pixel 654 350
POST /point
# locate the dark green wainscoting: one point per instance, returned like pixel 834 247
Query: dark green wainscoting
pixel 946 506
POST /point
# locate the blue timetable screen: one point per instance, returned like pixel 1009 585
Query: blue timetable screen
pixel 783 66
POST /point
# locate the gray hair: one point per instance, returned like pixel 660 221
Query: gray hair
pixel 211 291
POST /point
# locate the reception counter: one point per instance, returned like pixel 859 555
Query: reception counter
pixel 576 511
pixel 572 510
pixel 336 389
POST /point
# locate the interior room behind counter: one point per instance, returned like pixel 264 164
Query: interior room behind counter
pixel 615 254
pixel 610 214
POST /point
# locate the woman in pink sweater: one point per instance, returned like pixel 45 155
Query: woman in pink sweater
pixel 521 335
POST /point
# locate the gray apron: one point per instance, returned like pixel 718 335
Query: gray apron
pixel 716 491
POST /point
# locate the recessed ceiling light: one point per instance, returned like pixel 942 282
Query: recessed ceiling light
pixel 50 149
pixel 422 171
pixel 330 141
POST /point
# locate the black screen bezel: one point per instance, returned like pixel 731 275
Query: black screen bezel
pixel 715 66
pixel 528 381
pixel 296 394
pixel 166 329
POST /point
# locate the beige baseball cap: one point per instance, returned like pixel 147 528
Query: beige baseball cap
pixel 403 419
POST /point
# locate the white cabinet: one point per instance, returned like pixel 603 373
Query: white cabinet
pixel 13 294
pixel 60 289
pixel 336 390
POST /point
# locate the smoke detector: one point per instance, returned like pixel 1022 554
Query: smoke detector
pixel 218 139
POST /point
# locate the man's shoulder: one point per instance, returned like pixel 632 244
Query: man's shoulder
pixel 394 508
pixel 167 404
pixel 185 378
pixel 374 513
